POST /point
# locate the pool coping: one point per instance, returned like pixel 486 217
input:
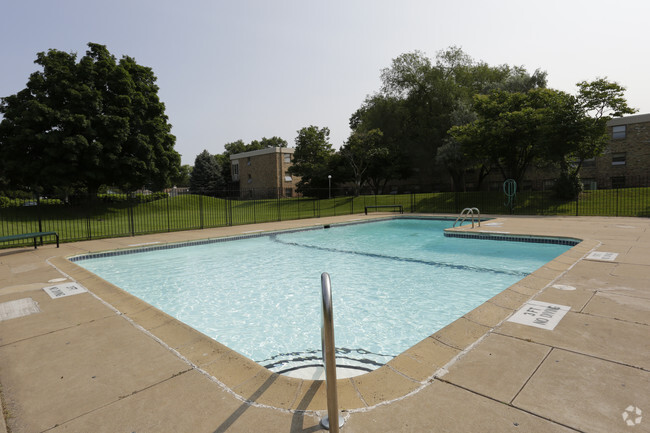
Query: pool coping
pixel 406 374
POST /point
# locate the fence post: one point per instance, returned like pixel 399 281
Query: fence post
pixel 38 215
pixel 299 214
pixel 577 201
pixel 169 223
pixel 201 210
pixel 279 206
pixel 88 228
pixel 132 204
pixel 617 201
pixel 226 199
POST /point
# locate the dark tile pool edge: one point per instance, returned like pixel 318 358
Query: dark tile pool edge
pixel 514 238
pixel 182 244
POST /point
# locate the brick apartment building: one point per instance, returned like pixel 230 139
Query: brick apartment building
pixel 264 173
pixel 626 161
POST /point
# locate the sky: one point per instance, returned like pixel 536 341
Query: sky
pixel 247 69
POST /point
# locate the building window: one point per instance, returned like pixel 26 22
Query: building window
pixel 250 178
pixel 589 184
pixel 235 169
pixel 589 162
pixel 287 177
pixel 248 162
pixel 288 192
pixel 618 158
pixel 287 158
pixel 618 132
pixel 618 182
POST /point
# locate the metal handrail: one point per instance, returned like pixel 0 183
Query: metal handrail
pixel 468 211
pixel 478 212
pixel 329 357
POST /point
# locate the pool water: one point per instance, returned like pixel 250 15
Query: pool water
pixel 394 283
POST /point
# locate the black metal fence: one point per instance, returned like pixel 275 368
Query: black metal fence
pixel 113 215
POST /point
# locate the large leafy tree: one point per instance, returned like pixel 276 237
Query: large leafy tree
pixel 386 154
pixel 578 129
pixel 86 124
pixel 312 158
pixel 516 129
pixel 470 78
pixel 509 129
pixel 362 151
pixel 206 175
pixel 420 101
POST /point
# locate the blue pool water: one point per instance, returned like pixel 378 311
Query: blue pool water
pixel 394 283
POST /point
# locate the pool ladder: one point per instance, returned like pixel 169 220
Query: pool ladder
pixel 329 358
pixel 468 211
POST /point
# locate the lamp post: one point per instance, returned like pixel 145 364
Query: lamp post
pixel 329 185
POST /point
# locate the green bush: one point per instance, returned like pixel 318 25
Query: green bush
pixel 6 202
pixel 567 187
pixel 140 198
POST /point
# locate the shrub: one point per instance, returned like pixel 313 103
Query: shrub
pixel 567 186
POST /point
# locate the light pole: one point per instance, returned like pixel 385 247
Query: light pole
pixel 329 185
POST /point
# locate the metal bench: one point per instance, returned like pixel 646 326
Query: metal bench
pixel 31 235
pixel 399 206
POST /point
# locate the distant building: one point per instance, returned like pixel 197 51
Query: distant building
pixel 264 173
pixel 626 161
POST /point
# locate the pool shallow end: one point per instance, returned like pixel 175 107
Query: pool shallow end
pixel 408 372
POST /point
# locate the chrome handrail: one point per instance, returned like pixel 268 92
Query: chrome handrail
pixel 329 357
pixel 470 212
pixel 478 212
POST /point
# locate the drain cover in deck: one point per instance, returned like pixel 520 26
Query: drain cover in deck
pixel 18 308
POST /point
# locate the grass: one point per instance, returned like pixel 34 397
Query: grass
pixel 187 212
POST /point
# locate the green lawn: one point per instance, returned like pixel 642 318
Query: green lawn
pixel 101 220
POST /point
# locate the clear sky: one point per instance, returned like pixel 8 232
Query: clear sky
pixel 247 69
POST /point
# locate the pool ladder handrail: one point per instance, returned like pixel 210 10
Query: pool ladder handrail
pixel 468 211
pixel 329 357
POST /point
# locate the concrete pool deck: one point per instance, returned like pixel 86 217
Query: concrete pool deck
pixel 105 361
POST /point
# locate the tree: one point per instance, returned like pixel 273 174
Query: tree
pixel 86 124
pixel 206 178
pixel 268 142
pixel 361 151
pixel 311 158
pixel 517 129
pixel 510 128
pixel 183 178
pixel 420 101
pixel 578 129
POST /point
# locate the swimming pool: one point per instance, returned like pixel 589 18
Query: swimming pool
pixel 394 283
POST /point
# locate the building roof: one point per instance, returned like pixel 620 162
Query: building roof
pixel 262 152
pixel 627 120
